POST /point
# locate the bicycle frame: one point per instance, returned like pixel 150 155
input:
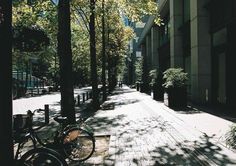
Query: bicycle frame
pixel 59 143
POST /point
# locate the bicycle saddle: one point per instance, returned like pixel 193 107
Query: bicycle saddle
pixel 60 119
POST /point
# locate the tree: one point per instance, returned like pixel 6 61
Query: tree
pixel 104 95
pixel 134 10
pixel 6 149
pixel 93 61
pixel 65 55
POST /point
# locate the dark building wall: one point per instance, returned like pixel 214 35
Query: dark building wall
pixel 208 37
pixel 223 32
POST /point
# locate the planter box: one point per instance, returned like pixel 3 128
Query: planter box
pixel 175 97
pixel 144 88
pixel 158 93
pixel 138 86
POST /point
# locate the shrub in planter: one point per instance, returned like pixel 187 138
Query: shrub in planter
pixel 175 81
pixel 156 85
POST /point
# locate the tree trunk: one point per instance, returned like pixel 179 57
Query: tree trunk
pixel 26 76
pixel 6 148
pixel 109 73
pixel 65 55
pixel 93 63
pixel 103 54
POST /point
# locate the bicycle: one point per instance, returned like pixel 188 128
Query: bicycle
pixel 41 157
pixel 73 141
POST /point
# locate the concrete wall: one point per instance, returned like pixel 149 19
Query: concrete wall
pixel 200 52
pixel 154 47
pixel 176 20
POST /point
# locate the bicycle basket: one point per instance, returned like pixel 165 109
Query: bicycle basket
pixel 21 122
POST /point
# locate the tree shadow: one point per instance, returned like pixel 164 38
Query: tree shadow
pixel 202 152
pixel 111 104
pixel 101 124
pixel 119 91
pixel 187 110
pixel 176 150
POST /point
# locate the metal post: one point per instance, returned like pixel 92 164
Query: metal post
pixel 46 114
pixel 87 95
pixel 83 97
pixel 78 100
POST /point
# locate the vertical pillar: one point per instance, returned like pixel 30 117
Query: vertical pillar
pixel 148 52
pixel 144 84
pixel 6 148
pixel 176 20
pixel 200 52
pixel 46 113
pixel 154 47
pixel 78 100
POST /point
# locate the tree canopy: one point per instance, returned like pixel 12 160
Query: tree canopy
pixel 43 15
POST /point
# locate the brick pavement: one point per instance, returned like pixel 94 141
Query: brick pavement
pixel 145 132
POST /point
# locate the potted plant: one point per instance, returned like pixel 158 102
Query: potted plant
pixel 156 84
pixel 153 75
pixel 175 84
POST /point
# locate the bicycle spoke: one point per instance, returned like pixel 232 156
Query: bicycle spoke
pixel 81 148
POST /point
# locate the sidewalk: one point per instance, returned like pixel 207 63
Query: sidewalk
pixel 146 132
pixel 141 131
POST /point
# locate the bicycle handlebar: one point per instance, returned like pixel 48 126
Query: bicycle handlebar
pixel 30 113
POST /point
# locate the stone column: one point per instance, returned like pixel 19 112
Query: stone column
pixel 148 52
pixel 154 47
pixel 200 52
pixel 176 20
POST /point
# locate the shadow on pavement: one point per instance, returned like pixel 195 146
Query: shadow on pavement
pixel 203 152
pixel 119 91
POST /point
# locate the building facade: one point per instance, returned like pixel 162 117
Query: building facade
pixel 199 36
pixel 134 53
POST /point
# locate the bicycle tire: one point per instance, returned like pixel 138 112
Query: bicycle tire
pixel 78 144
pixel 22 147
pixel 42 157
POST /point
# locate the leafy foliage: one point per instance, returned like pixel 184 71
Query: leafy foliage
pixel 174 77
pixel 231 137
pixel 138 68
pixel 153 76
pixel 29 39
pixel 43 15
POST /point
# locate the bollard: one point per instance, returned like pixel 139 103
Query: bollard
pixel 46 114
pixel 83 97
pixel 78 100
pixel 87 95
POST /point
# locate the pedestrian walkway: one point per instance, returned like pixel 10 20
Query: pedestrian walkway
pixel 146 132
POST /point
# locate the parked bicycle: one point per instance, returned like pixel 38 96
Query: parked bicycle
pixel 73 141
pixel 41 157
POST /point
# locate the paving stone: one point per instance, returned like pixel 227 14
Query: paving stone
pixel 146 132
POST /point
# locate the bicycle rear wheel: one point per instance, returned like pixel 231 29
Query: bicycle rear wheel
pixel 42 157
pixel 78 144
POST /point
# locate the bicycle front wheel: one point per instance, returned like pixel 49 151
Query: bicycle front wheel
pixel 78 144
pixel 42 157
